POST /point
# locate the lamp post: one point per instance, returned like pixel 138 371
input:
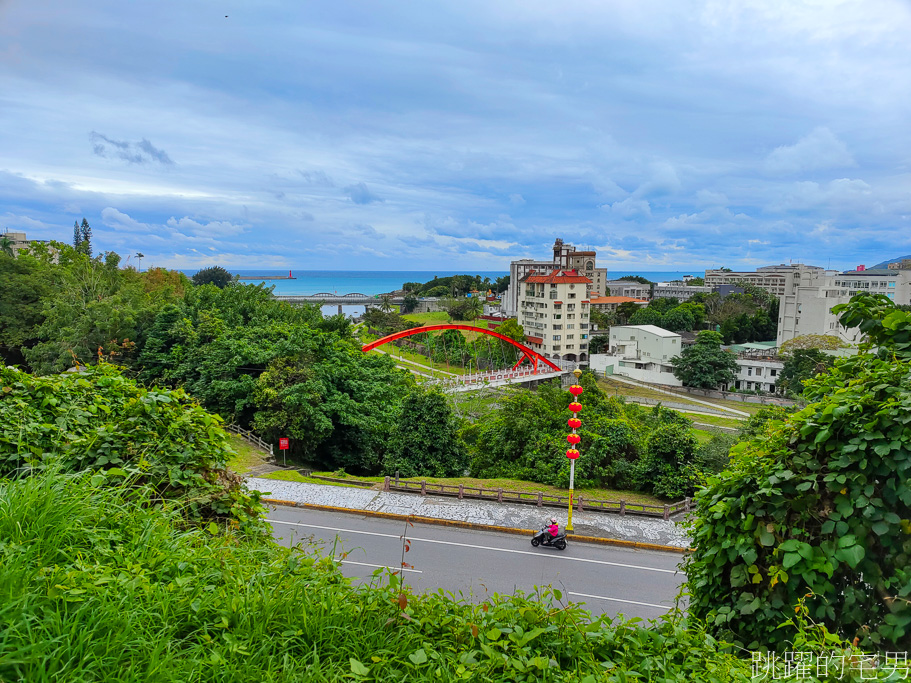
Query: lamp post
pixel 572 453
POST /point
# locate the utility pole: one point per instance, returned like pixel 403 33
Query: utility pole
pixel 572 453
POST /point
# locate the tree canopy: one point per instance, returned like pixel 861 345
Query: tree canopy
pixel 214 275
pixel 705 364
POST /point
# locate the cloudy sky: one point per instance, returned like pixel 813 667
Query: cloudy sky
pixel 460 134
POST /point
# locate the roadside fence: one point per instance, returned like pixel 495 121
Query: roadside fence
pixel 250 437
pixel 539 499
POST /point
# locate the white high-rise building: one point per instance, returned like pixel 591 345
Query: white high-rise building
pixel 807 307
pixel 554 312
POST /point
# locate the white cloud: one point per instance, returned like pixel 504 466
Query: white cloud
pixel 211 229
pixel 629 208
pixel 818 150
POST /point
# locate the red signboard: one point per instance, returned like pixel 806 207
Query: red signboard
pixel 283 444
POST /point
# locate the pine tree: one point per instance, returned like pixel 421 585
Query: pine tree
pixel 77 236
pixel 86 231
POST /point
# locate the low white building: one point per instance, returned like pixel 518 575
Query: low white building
pixel 758 375
pixel 640 352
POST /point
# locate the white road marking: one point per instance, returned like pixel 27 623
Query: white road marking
pixel 628 602
pixel 382 566
pixel 477 547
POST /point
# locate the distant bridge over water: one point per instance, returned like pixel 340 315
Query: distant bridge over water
pixel 330 299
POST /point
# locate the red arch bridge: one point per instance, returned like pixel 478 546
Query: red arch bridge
pixel 502 361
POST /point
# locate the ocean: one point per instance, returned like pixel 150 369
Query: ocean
pixel 372 282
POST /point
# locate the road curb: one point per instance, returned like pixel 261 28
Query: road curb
pixel 471 525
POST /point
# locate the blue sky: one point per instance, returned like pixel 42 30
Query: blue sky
pixel 463 134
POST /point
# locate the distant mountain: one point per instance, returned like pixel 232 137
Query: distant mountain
pixel 885 264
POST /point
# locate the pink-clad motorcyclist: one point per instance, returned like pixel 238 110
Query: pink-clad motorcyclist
pixel 554 528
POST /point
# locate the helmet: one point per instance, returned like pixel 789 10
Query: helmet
pixel 553 520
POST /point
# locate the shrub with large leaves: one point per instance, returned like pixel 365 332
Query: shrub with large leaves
pixel 99 420
pixel 819 505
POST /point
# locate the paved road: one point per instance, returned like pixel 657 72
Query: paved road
pixel 637 583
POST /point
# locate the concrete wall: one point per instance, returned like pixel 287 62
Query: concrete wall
pixel 654 373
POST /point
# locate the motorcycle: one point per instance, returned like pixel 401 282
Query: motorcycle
pixel 543 537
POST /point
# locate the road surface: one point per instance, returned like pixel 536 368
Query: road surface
pixel 475 564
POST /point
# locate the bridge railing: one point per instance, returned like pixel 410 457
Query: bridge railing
pixel 250 437
pixel 539 499
pixel 492 376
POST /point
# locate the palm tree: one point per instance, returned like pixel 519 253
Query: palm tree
pixel 139 257
pixel 6 246
pixel 386 303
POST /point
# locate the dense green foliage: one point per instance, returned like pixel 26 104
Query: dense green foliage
pixel 97 420
pixel 463 307
pixel 624 446
pixel 741 317
pixel 425 440
pixel 283 369
pixel 214 275
pixel 669 314
pixel 811 341
pixel 705 364
pixel 819 505
pixel 457 285
pixel 78 307
pixel 801 365
pixel 96 588
pixel 636 278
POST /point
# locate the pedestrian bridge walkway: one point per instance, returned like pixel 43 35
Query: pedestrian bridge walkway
pixel 499 378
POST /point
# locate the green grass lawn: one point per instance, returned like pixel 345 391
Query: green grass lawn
pixel 615 388
pixel 714 420
pixel 246 456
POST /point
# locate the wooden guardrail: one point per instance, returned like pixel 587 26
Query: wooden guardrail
pixel 539 499
pixel 251 437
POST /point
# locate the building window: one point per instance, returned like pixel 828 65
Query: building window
pixel 571 326
pixel 553 294
pixel 570 336
pixel 572 295
pixel 556 337
pixel 749 372
pixel 773 372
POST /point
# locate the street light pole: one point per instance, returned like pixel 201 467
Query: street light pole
pixel 572 453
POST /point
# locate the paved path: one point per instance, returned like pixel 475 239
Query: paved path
pixel 604 525
pixel 475 564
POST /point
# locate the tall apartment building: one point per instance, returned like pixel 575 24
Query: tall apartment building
pixel 778 280
pixel 554 312
pixel 565 257
pixel 807 309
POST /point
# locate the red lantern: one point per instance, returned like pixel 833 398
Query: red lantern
pixel 573 438
pixel 572 454
pixel 575 407
pixel 574 423
pixel 575 390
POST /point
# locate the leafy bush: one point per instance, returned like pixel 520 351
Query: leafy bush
pixel 667 468
pixel 819 505
pixel 99 421
pixel 425 440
